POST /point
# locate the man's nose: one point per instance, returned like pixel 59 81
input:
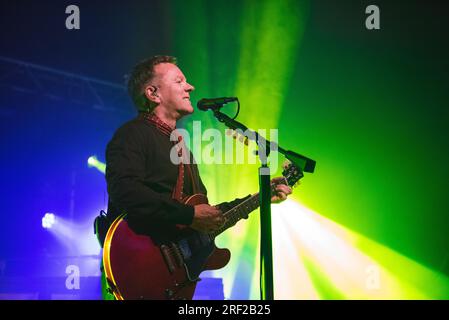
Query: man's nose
pixel 190 87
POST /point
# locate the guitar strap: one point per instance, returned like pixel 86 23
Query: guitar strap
pixel 179 187
pixel 195 187
pixel 184 162
pixel 177 191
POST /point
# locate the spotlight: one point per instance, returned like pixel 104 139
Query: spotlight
pixel 48 220
pixel 93 162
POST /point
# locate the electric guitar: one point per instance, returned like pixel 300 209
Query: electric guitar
pixel 138 267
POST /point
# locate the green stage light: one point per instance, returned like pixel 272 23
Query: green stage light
pixel 93 162
pixel 342 264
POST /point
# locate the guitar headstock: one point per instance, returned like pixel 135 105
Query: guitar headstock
pixel 292 173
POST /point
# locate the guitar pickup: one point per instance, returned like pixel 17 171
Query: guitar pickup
pixel 166 253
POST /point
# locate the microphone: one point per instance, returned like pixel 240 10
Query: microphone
pixel 214 103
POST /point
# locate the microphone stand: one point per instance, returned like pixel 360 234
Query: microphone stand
pixel 303 163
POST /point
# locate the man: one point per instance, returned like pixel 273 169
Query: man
pixel 141 178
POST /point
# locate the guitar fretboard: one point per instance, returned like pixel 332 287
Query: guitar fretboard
pixel 239 212
pixel 291 175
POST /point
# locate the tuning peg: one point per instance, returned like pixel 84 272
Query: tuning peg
pixel 286 164
pixel 229 132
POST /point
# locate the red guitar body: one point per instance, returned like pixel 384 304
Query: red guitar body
pixel 138 268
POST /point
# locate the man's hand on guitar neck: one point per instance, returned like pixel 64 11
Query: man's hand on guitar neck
pixel 281 191
pixel 207 218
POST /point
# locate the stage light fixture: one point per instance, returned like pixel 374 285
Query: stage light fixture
pixel 48 220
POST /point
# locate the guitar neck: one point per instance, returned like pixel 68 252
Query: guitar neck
pixel 291 176
pixel 237 213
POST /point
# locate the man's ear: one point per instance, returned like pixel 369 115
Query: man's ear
pixel 152 95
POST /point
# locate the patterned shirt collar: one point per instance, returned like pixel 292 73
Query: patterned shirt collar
pixel 157 122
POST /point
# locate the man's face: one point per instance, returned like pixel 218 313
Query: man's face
pixel 173 89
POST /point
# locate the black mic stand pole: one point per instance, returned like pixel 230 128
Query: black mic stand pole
pixel 266 251
pixel 265 146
